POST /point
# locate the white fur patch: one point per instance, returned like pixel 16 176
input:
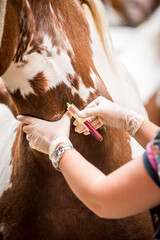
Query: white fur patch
pixel 8 126
pixel 17 77
pixel 55 66
pixel 59 66
pixel 83 91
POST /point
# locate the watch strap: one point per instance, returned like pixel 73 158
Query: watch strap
pixel 56 157
pixel 56 142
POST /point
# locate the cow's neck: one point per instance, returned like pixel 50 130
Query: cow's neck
pixel 47 105
pixel 53 63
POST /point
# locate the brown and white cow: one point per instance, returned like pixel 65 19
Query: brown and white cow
pixel 53 51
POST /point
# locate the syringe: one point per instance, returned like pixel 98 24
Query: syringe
pixel 73 110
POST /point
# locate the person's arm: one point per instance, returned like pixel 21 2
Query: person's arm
pixel 146 132
pixel 127 191
pixel 102 111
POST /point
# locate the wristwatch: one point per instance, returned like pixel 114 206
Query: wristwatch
pixel 56 157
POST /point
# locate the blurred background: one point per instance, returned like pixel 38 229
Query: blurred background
pixel 135 32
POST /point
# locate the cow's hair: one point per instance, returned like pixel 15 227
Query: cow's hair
pixel 2 16
pixel 100 19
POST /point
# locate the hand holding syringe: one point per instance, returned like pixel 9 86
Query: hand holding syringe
pixel 73 110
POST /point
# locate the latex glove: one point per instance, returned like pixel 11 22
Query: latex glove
pixel 41 133
pixel 102 111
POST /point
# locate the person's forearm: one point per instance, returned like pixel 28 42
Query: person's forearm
pixel 146 132
pixel 82 177
pixel 120 194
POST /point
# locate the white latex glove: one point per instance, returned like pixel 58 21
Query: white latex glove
pixel 102 111
pixel 41 133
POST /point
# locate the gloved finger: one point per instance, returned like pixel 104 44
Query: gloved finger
pixel 31 136
pixel 98 125
pixel 95 122
pixel 89 112
pixel 30 128
pixel 39 144
pixel 86 133
pixel 80 128
pixel 92 104
pixel 28 137
pixel 90 119
pixel 26 128
pixel 76 123
pixel 101 120
pixel 31 144
pixel 33 140
pixel 26 119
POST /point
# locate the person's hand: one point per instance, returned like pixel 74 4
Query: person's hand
pixel 41 133
pixel 102 111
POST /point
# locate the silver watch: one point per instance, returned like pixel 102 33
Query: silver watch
pixel 56 157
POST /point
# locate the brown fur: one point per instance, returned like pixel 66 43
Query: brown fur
pixel 40 205
pixel 153 109
pixel 6 99
pixel 9 39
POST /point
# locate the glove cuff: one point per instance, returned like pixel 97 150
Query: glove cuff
pixel 133 122
pixel 56 142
